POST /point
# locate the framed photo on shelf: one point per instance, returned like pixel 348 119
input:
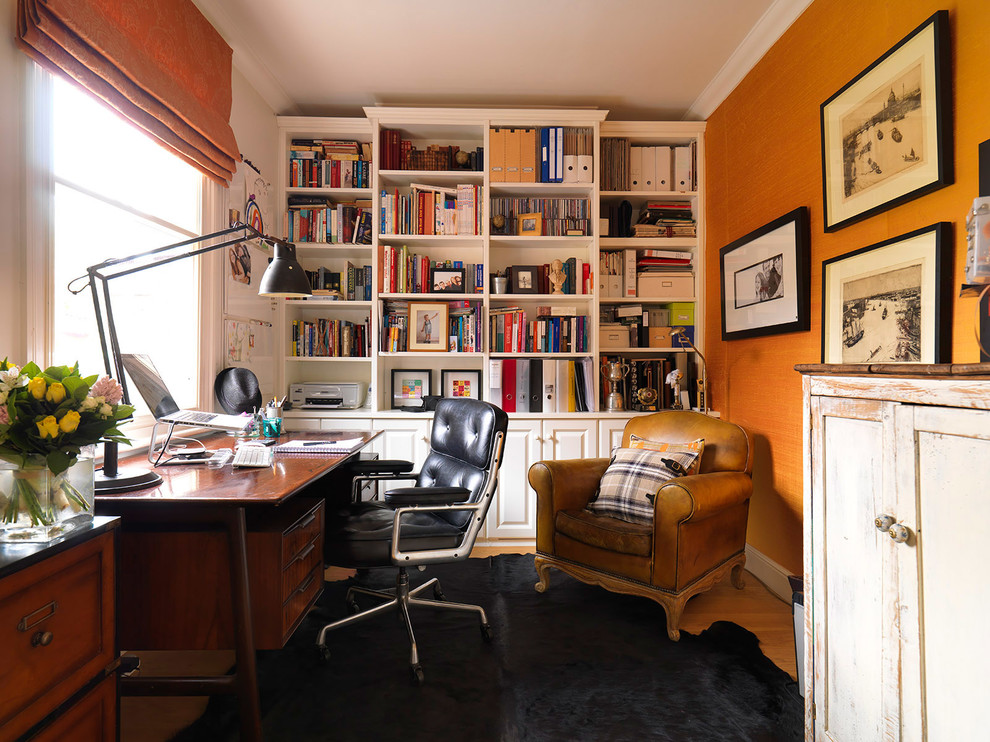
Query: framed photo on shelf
pixel 883 303
pixel 427 326
pixel 766 277
pixel 460 383
pixel 529 225
pixel 525 279
pixel 409 386
pixel 887 135
pixel 447 281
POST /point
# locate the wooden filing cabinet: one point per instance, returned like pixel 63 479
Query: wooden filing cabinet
pixel 57 638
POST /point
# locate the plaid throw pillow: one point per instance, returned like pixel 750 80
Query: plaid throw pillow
pixel 699 445
pixel 632 479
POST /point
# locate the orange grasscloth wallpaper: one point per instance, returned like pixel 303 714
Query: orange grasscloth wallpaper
pixel 763 160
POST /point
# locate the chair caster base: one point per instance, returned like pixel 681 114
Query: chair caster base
pixel 417 674
pixel 486 633
pixel 324 652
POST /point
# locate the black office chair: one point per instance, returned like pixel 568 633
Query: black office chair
pixel 436 521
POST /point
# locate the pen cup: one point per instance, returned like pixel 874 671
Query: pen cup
pixel 271 427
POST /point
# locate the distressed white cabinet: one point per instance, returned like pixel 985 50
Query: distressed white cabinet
pixel 896 472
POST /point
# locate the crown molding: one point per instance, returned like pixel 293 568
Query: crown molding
pixel 777 19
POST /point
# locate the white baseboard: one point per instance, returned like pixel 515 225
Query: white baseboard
pixel 769 573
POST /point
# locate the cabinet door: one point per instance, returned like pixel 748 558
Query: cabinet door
pixel 943 470
pixel 376 446
pixel 570 439
pixel 610 435
pixel 853 582
pixel 404 439
pixel 513 513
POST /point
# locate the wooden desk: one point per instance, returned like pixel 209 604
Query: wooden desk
pixel 192 550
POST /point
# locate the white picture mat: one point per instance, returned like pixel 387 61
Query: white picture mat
pixel 762 314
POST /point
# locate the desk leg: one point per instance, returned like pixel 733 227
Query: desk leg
pixel 247 674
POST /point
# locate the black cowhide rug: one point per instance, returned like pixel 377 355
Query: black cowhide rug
pixel 574 663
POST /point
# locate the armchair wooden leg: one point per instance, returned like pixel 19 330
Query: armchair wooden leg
pixel 543 572
pixel 736 576
pixel 674 607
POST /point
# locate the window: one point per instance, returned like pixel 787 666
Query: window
pixel 117 192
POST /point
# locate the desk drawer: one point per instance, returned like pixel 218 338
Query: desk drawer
pixel 93 718
pixel 297 537
pixel 299 568
pixel 67 602
pixel 300 600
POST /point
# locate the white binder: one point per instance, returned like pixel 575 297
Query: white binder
pixel 522 384
pixel 649 168
pixel 636 169
pixel 585 168
pixel 549 385
pixel 682 169
pixel 663 169
pixel 495 381
pixel 570 169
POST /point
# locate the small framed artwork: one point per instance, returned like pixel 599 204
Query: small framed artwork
pixel 765 279
pixel 463 383
pixel 529 225
pixel 428 326
pixel 887 135
pixel 883 303
pixel 525 279
pixel 409 386
pixel 448 281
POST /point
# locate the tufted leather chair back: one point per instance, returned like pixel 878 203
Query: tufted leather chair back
pixel 463 449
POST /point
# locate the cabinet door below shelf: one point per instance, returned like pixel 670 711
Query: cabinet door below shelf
pixel 513 513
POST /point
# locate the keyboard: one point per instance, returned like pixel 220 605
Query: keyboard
pixel 253 456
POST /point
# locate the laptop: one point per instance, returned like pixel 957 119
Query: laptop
pixel 162 405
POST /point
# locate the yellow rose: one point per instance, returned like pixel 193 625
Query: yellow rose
pixel 55 393
pixel 48 428
pixel 69 421
pixel 37 387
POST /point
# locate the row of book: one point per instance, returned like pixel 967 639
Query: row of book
pixel 400 154
pixel 558 216
pixel 541 385
pixel 625 167
pixel 431 210
pixel 330 338
pixel 619 271
pixel 547 154
pixel 644 388
pixel 536 279
pixel 463 326
pixel 509 331
pixel 352 284
pixel 307 173
pixel 405 272
pixel 344 223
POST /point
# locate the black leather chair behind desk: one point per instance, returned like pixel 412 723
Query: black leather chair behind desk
pixel 436 521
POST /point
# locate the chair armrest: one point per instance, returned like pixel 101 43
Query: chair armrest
pixel 567 484
pixel 412 496
pixel 701 496
pixel 381 466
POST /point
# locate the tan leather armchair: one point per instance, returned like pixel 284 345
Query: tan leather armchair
pixel 698 534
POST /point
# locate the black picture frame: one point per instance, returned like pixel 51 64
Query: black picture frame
pixel 454 382
pixel 447 281
pixel 883 141
pixel 409 386
pixel 766 277
pixel 870 314
pixel 524 279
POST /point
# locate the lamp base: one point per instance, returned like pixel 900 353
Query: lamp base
pixel 127 479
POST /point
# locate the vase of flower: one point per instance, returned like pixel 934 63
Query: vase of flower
pixel 36 505
pixel 50 421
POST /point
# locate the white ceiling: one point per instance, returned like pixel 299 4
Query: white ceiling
pixel 639 59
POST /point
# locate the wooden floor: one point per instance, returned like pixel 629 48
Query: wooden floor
pixel 754 608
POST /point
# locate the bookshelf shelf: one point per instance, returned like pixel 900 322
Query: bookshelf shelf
pixel 405 178
pixel 327 359
pixel 447 240
pixel 549 190
pixel 645 299
pixel 325 304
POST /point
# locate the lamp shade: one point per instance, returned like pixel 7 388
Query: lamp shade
pixel 284 276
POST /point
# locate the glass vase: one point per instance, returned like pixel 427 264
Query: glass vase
pixel 38 506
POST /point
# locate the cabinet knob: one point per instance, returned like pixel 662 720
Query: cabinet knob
pixel 539 439
pixel 41 638
pixel 899 533
pixel 883 522
pixel 425 439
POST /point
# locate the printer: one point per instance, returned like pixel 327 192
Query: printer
pixel 321 395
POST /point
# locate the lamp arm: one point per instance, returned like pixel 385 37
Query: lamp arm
pixel 704 368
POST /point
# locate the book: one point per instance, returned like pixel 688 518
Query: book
pixel 321 447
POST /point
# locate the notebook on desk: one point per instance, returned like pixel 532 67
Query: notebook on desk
pixel 317 448
pixel 162 405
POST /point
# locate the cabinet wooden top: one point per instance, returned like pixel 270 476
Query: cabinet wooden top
pixel 196 484
pixel 918 370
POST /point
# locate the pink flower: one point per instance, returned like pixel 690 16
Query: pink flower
pixel 109 389
pixel 4 417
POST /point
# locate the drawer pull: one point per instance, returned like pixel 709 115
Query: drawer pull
pixel 33 619
pixel 42 638
pixel 304 524
pixel 305 553
pixel 305 586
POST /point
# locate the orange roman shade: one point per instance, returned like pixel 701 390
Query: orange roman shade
pixel 158 63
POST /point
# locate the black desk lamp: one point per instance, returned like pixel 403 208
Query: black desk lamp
pixel 283 277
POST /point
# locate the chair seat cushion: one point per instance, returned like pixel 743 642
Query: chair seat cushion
pixel 631 481
pixel 360 534
pixel 606 533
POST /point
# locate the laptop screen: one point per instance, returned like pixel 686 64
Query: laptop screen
pixel 150 385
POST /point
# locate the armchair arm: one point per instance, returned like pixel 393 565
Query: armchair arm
pixel 701 496
pixel 412 496
pixel 562 485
